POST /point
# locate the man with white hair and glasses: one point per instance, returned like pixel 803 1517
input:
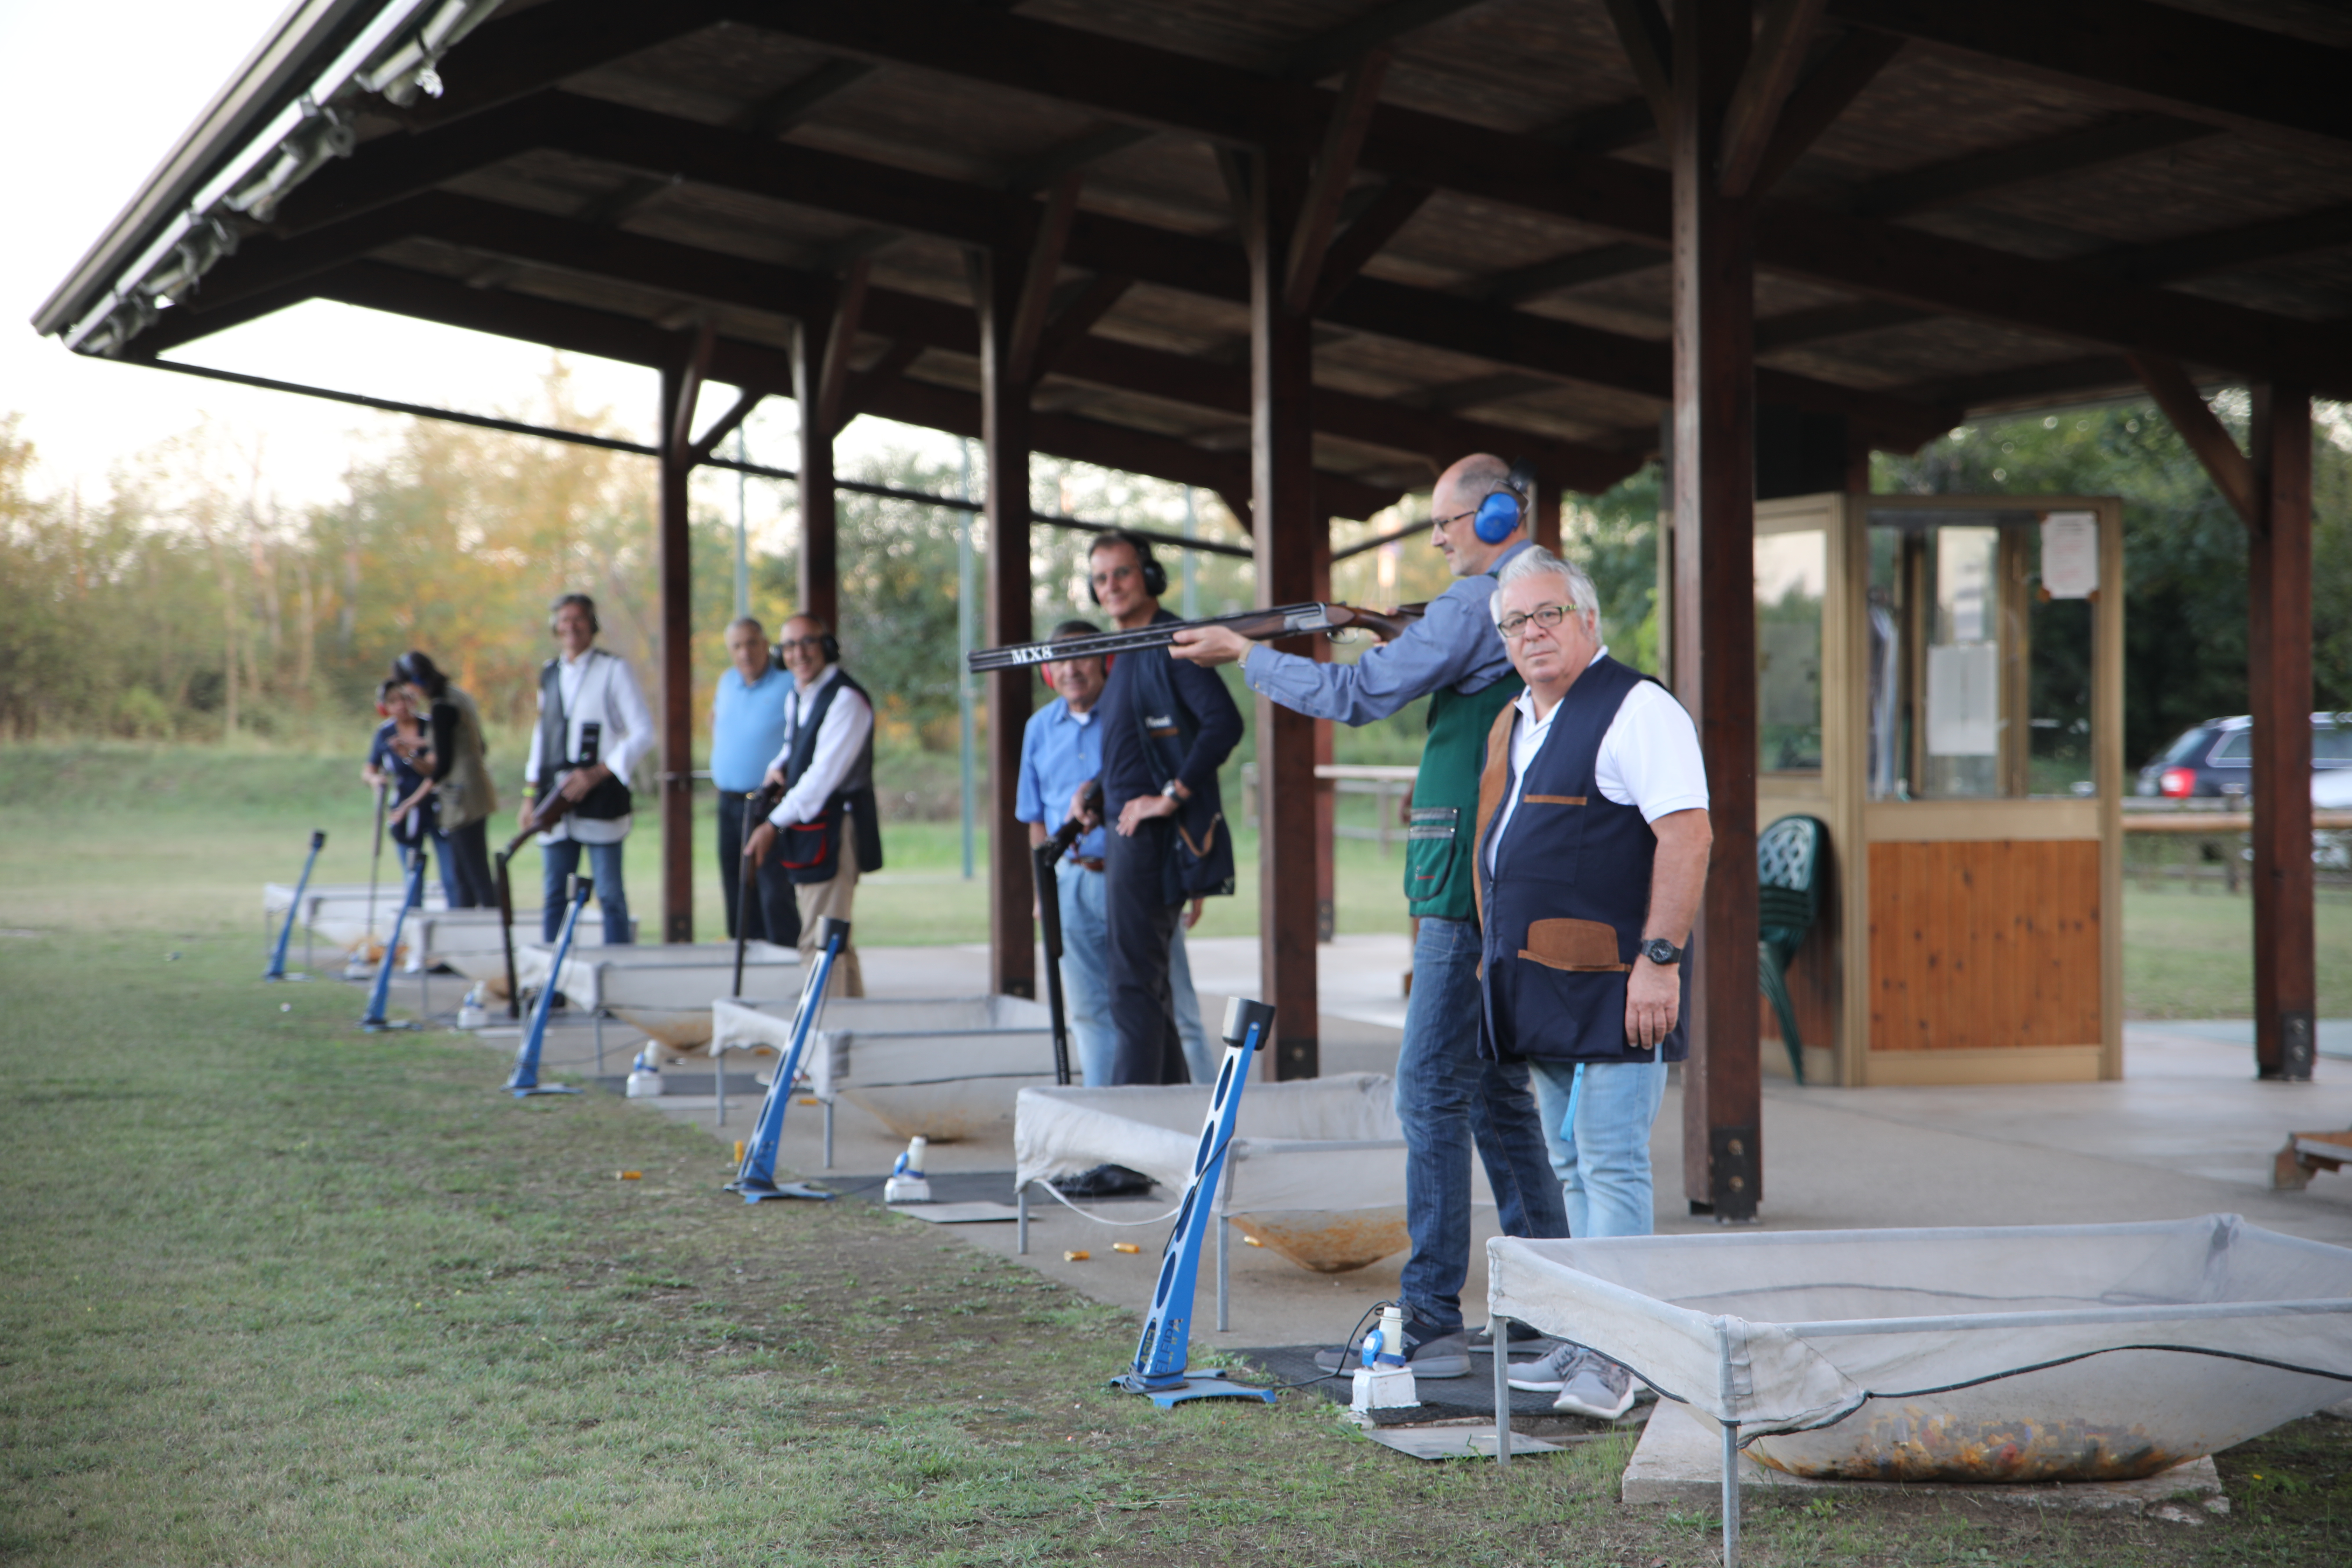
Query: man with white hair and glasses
pixel 1591 853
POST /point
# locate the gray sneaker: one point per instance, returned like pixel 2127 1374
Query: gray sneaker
pixel 1441 1355
pixel 1550 1373
pixel 1598 1387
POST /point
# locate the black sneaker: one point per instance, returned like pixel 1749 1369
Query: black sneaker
pixel 1429 1352
pixel 1104 1182
pixel 1524 1336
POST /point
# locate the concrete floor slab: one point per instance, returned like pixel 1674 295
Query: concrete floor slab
pixel 2188 1131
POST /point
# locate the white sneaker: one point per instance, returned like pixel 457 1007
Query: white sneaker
pixel 1549 1374
pixel 1598 1387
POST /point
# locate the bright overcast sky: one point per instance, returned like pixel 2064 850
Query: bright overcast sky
pixel 93 96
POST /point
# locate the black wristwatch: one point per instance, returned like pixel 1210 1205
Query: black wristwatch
pixel 1660 951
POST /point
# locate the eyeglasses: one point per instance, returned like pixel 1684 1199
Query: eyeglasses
pixel 790 644
pixel 1443 522
pixel 1548 616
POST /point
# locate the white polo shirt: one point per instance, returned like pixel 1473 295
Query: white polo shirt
pixel 1649 756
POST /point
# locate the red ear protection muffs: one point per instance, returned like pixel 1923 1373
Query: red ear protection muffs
pixel 383 710
pixel 1046 671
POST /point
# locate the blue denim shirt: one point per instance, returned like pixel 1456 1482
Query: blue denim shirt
pixel 1453 643
pixel 1061 751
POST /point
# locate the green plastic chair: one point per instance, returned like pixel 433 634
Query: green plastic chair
pixel 1789 861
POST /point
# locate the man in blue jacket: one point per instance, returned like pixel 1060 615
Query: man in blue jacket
pixel 1168 726
pixel 1592 848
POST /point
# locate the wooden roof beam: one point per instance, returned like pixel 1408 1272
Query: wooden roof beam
pixel 1822 94
pixel 1335 170
pixel 1885 260
pixel 268 269
pixel 840 334
pixel 579 329
pixel 969 215
pixel 1782 39
pixel 1648 40
pixel 1981 173
pixel 2144 56
pixel 1042 272
pixel 1343 45
pixel 2232 471
pixel 1372 228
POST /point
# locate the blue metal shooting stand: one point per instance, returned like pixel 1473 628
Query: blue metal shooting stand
pixel 375 1023
pixel 525 1081
pixel 757 1178
pixel 276 970
pixel 1160 1371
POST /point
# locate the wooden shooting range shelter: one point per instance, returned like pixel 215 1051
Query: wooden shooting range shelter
pixel 1304 252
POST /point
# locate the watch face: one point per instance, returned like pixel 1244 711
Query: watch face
pixel 1658 950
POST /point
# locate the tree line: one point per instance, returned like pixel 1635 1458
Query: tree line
pixel 191 605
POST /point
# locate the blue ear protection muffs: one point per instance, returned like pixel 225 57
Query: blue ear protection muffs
pixel 1498 516
pixel 1155 575
pixel 1504 510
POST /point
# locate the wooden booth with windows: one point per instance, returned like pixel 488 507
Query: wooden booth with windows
pixel 1939 682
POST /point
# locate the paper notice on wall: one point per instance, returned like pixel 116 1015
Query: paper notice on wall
pixel 2070 554
pixel 1964 700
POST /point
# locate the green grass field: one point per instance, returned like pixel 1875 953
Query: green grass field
pixel 283 1293
pixel 278 1292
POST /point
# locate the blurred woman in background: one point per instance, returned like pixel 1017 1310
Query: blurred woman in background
pixel 459 780
pixel 399 758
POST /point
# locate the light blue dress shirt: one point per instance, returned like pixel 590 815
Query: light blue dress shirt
pixel 747 728
pixel 1453 643
pixel 1060 753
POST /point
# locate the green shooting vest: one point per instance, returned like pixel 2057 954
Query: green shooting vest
pixel 1438 875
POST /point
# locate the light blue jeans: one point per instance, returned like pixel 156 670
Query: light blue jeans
pixel 558 862
pixel 1085 982
pixel 1449 1098
pixel 1597 1118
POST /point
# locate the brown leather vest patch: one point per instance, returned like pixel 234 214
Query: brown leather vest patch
pixel 1584 947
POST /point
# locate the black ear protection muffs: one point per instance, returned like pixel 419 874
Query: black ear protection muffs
pixel 1155 575
pixel 584 602
pixel 831 645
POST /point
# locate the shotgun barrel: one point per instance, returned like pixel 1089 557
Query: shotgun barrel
pixel 1259 625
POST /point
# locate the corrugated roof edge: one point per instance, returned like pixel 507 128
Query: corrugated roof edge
pixel 303 41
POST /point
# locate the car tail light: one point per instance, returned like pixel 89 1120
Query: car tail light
pixel 2177 783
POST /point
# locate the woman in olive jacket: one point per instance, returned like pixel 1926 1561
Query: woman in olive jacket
pixel 460 782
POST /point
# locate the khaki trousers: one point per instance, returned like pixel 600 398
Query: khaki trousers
pixel 820 900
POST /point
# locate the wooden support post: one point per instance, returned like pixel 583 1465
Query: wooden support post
pixel 996 286
pixel 2279 567
pixel 820 563
pixel 1326 791
pixel 1714 477
pixel 1283 524
pixel 1547 529
pixel 680 385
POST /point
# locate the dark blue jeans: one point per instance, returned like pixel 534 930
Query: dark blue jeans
pixel 1447 1096
pixel 558 862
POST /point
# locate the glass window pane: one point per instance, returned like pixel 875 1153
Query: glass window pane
pixel 2331 743
pixel 2236 750
pixel 1791 580
pixel 1962 692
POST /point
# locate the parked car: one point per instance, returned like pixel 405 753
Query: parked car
pixel 2216 758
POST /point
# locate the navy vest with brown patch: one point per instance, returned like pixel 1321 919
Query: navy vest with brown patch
pixel 1564 907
